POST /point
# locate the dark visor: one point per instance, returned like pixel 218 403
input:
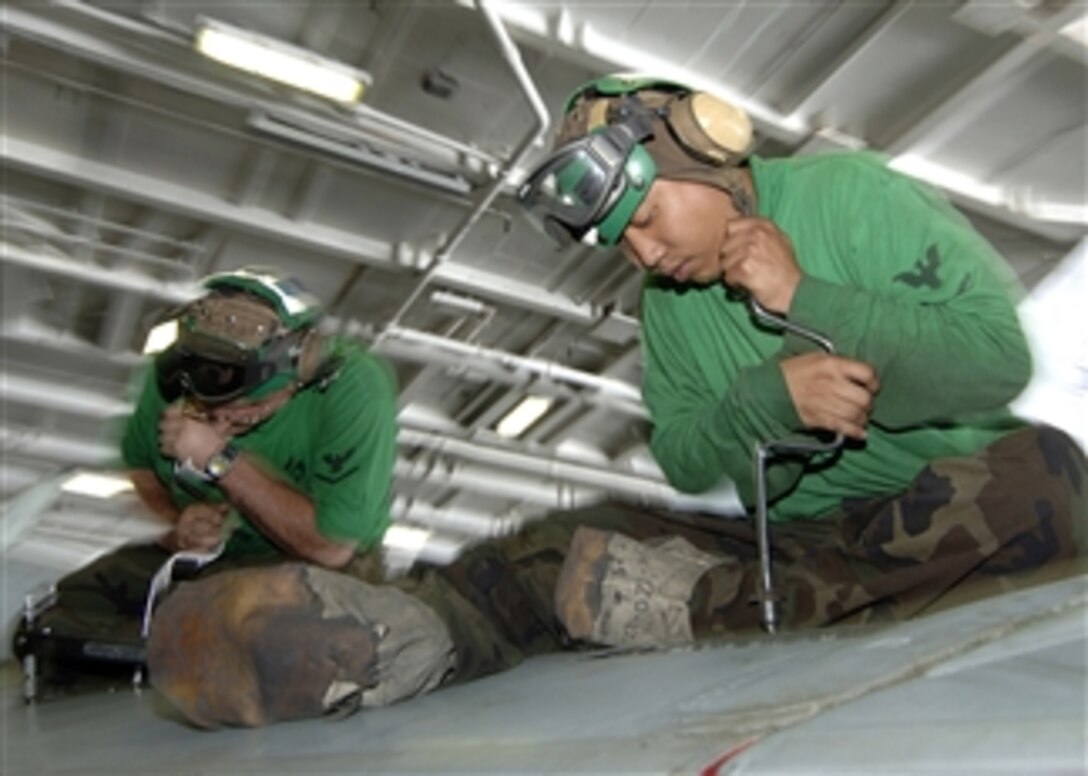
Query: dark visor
pixel 182 373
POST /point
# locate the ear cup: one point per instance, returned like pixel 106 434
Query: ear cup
pixel 313 356
pixel 709 128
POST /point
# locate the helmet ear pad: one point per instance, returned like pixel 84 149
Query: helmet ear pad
pixel 313 357
pixel 710 129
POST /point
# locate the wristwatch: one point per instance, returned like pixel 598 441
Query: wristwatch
pixel 220 463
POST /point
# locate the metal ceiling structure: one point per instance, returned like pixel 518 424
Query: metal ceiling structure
pixel 132 166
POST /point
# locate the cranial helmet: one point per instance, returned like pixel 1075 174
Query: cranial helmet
pixel 251 333
pixel 620 133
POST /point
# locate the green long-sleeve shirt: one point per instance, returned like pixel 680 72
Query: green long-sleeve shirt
pixel 895 277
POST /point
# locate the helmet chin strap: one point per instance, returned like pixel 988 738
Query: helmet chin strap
pixel 742 201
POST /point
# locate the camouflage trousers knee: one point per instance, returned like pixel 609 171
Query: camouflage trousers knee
pixel 1012 515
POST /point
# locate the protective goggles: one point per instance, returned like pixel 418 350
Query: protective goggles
pixel 211 381
pixel 589 189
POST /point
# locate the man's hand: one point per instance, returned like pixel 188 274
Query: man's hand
pixel 831 392
pixel 187 438
pixel 758 257
pixel 200 527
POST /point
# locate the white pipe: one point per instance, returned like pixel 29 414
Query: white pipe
pixel 34 443
pixel 61 397
pixel 458 521
pixel 117 279
pixel 626 396
pixel 28 331
pixel 579 472
pixel 479 479
pixel 535 135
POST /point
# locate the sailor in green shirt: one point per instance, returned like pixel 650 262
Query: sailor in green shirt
pixel 258 441
pixel 934 484
pixel 297 443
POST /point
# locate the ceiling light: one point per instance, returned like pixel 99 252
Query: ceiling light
pixel 405 538
pixel 161 337
pixel 96 485
pixel 1077 31
pixel 280 61
pixel 525 414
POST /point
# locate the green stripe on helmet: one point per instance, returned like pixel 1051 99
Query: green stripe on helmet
pixel 639 173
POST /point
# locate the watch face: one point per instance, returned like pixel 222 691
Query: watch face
pixel 217 466
pixel 220 463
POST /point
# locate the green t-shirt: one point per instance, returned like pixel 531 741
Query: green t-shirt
pixel 895 277
pixel 335 443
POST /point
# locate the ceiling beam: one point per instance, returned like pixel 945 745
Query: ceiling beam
pixel 960 103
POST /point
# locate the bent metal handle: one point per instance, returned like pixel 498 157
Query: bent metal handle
pixel 765 450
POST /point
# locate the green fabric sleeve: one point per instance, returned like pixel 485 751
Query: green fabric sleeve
pixel 140 435
pixel 699 436
pixel 928 304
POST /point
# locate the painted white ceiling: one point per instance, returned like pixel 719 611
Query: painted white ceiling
pixel 132 166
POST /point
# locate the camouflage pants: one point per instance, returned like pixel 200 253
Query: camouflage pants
pixel 1010 516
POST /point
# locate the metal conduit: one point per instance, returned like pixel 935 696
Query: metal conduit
pixel 115 278
pixel 624 394
pixel 543 121
pixel 643 487
pixel 457 521
pixel 479 479
pixel 67 398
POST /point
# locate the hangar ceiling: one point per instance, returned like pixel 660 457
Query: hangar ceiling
pixel 133 165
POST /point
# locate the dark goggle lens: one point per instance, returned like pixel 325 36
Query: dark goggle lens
pixel 209 380
pixel 215 380
pixel 570 192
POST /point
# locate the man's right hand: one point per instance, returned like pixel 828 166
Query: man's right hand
pixel 831 392
pixel 199 527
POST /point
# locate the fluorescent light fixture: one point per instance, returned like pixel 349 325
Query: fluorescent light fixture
pixel 405 538
pixel 1077 31
pixel 161 337
pixel 279 61
pixel 525 414
pixel 96 485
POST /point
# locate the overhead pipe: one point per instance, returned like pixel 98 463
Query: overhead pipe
pixel 625 395
pixel 456 521
pixel 61 397
pixel 643 487
pixel 459 475
pixel 42 445
pixel 27 331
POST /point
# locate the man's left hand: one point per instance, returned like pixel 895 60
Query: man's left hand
pixel 186 438
pixel 758 257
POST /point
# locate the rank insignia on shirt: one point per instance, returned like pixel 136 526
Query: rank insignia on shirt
pixel 925 272
pixel 334 465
